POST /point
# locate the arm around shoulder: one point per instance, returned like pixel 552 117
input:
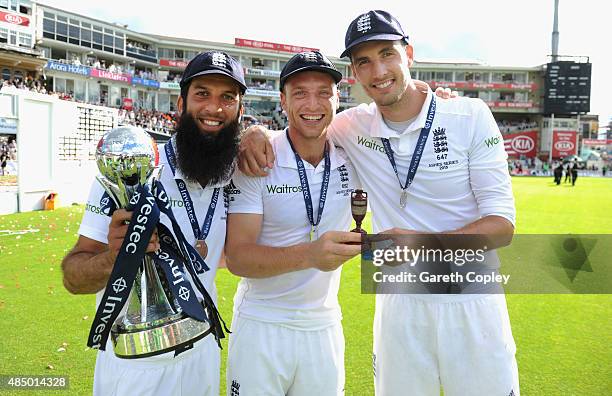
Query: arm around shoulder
pixel 255 153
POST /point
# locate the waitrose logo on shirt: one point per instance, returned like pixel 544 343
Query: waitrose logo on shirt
pixel 370 143
pixel 93 209
pixel 98 210
pixel 492 141
pixel 283 189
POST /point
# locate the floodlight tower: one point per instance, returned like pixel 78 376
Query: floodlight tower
pixel 555 33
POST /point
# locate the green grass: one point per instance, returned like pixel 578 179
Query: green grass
pixel 564 341
pixel 543 207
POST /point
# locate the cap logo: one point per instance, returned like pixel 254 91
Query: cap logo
pixel 363 23
pixel 310 57
pixel 219 59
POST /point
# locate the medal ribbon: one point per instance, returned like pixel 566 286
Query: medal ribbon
pixel 418 150
pixel 306 188
pixel 145 216
pixel 199 234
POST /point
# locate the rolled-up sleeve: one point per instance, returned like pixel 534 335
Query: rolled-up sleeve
pixel 489 177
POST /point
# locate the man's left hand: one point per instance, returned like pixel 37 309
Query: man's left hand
pixel 446 93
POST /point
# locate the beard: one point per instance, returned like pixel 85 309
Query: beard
pixel 203 157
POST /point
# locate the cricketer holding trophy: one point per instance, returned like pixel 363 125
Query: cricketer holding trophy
pixel 175 349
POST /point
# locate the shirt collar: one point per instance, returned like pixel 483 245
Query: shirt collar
pixel 380 129
pixel 286 159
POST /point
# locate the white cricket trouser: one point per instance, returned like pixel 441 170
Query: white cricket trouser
pixel 269 359
pixel 193 372
pixel 463 345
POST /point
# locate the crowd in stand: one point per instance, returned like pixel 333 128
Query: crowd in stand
pixel 137 45
pixel 273 119
pixel 166 122
pixel 112 68
pixel 143 74
pixel 8 152
pixel 8 147
pixel 262 85
pixel 174 77
pixel 147 119
pixel 144 49
pixel 531 167
pixel 272 125
pixel 557 168
pixel 506 126
pixel 153 120
pixel 29 84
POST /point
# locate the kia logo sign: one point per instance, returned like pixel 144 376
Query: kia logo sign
pixel 522 144
pixel 16 19
pixel 564 146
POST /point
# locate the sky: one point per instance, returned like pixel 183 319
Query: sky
pixel 498 33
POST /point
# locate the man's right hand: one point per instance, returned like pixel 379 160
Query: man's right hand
pixel 331 250
pixel 117 230
pixel 256 153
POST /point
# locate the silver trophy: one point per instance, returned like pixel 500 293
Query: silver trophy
pixel 153 321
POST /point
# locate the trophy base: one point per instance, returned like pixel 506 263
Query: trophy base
pixel 140 343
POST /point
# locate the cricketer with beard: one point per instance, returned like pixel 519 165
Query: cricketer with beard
pixel 198 162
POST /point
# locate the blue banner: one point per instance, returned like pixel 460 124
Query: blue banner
pixel 145 82
pixel 66 68
pixel 8 125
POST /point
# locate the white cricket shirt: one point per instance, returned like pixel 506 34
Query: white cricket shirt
pixel 451 188
pixel 306 299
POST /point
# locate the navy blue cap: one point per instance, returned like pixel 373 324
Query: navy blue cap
pixel 373 25
pixel 214 62
pixel 311 60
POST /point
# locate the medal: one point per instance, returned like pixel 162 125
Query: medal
pixel 202 248
pixel 403 199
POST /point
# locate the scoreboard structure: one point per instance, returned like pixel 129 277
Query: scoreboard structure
pixel 567 88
